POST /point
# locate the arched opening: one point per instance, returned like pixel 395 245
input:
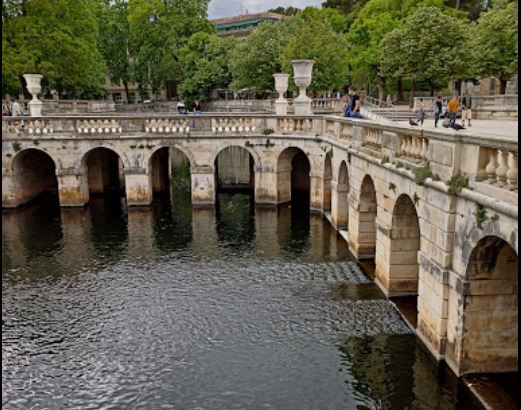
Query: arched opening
pixel 235 170
pixel 293 181
pixel 104 172
pixel 490 327
pixel 326 190
pixel 403 268
pixel 363 223
pixel 235 187
pixel 160 171
pixel 171 181
pixel 34 173
pixel 341 210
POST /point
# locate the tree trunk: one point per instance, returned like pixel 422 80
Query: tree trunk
pixel 431 89
pixel 125 84
pixel 381 89
pixel 399 89
pixel 502 86
pixel 457 87
pixel 413 90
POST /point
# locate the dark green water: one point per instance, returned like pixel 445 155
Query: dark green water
pixel 174 308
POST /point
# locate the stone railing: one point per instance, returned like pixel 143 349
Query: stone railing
pixel 489 162
pixel 478 102
pixel 70 106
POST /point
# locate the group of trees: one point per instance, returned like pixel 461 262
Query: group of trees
pixel 171 44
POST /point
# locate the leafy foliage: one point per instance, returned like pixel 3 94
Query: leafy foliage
pixel 56 38
pixel 496 42
pixel 428 48
pixel 204 61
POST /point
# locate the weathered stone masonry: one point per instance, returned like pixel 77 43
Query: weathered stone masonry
pixel 457 253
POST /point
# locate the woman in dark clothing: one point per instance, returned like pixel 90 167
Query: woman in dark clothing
pixel 438 108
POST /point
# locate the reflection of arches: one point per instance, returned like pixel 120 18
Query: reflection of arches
pixel 490 309
pixel 363 224
pixel 405 244
pixel 340 211
pixel 104 169
pixel 234 168
pixel 34 172
pixel 293 168
pixel 328 176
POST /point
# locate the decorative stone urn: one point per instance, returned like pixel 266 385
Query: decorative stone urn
pixel 302 74
pixel 281 85
pixel 34 86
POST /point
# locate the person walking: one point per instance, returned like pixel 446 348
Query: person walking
pixel 453 108
pixel 198 108
pixel 466 105
pixel 347 106
pixel 421 111
pixel 438 109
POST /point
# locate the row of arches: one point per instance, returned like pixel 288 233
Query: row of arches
pixel 102 169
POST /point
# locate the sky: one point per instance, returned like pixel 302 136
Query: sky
pixel 227 8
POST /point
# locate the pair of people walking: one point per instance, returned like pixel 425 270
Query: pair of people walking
pixel 352 105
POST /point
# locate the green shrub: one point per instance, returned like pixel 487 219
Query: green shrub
pixel 457 183
pixel 422 173
pixel 267 131
pixel 385 160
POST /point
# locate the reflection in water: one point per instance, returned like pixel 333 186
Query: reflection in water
pixel 174 307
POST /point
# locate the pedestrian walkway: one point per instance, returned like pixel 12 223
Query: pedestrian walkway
pixel 486 128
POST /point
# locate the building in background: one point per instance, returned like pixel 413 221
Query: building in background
pixel 241 26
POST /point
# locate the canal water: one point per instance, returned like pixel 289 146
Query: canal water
pixel 171 307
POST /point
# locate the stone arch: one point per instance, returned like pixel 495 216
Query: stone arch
pixel 403 268
pixel 33 172
pixel 293 175
pixel 162 164
pixel 103 170
pixel 339 202
pixel 362 229
pixel 489 316
pixel 327 178
pixel 234 167
pixel 186 152
pixel 81 162
pixel 254 154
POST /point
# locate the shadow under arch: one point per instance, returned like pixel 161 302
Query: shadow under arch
pixel 234 167
pixel 293 177
pixel 104 171
pixel 34 173
pixel 489 310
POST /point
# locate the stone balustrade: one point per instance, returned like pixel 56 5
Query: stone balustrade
pixel 165 125
pixel 99 126
pixel 501 170
pixel 413 148
pixel 488 161
pixel 233 125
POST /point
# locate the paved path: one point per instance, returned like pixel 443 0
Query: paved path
pixel 488 128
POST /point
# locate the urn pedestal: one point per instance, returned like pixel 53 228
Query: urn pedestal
pixel 34 86
pixel 302 75
pixel 281 85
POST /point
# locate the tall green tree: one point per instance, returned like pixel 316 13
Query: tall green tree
pixel 495 41
pixel 430 47
pixel 114 36
pixel 158 28
pixel 257 58
pixel 350 8
pixel 56 38
pixel 204 61
pixel 285 11
pixel 317 39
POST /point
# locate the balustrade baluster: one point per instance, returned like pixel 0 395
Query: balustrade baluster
pixel 512 171
pixel 501 170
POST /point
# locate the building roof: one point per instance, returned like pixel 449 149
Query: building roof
pixel 247 17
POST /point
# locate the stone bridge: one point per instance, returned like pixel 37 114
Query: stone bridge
pixel 386 188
